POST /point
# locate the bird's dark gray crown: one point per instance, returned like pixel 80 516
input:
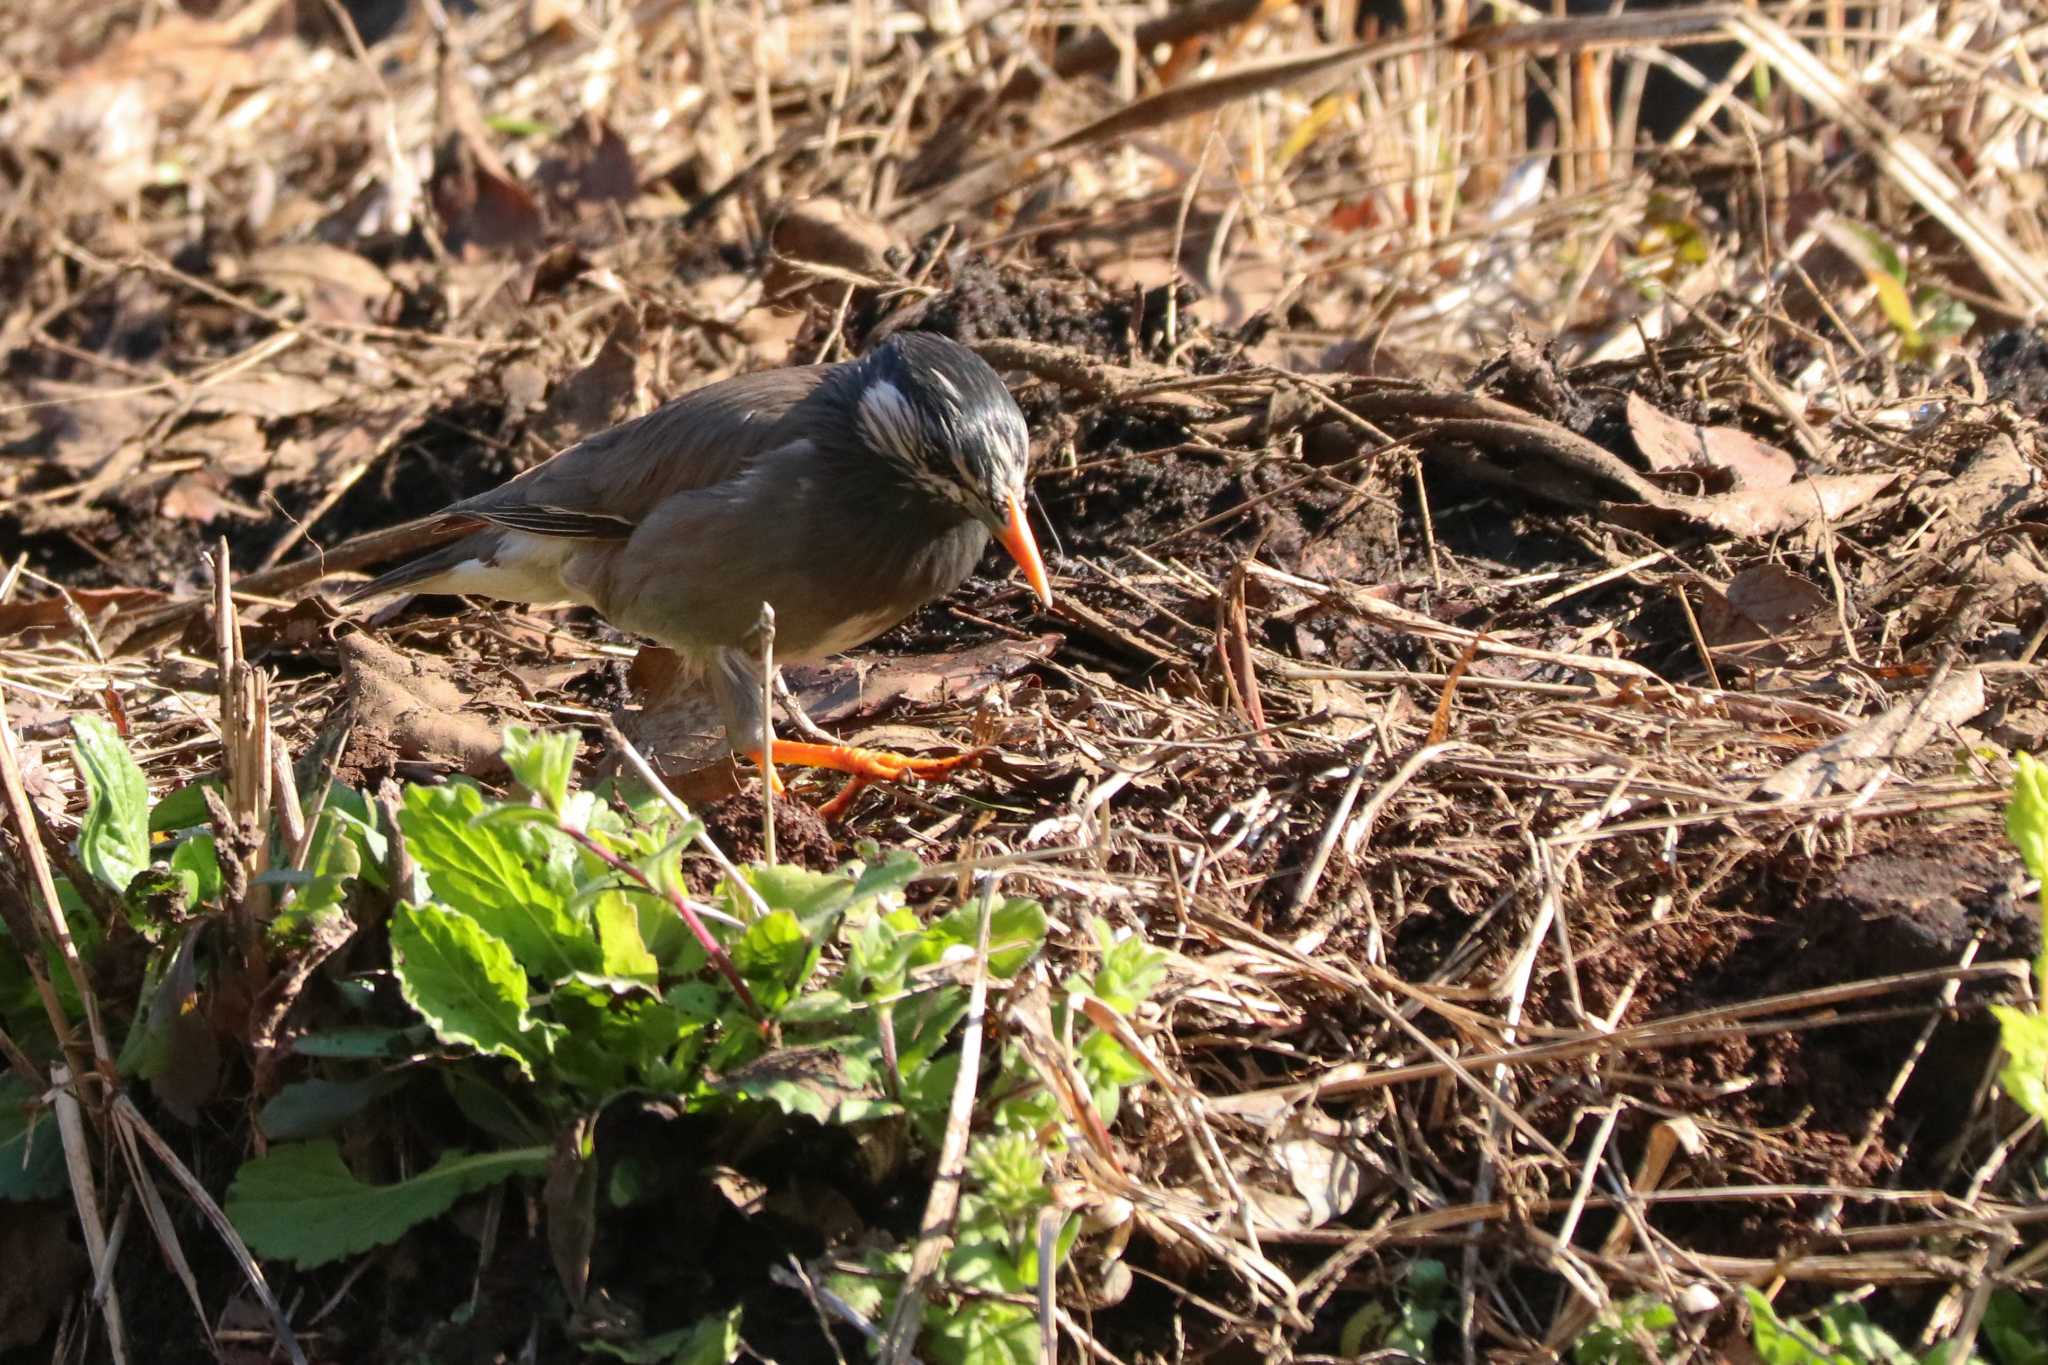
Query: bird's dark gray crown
pixel 938 414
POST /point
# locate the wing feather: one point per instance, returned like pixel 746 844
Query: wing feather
pixel 604 486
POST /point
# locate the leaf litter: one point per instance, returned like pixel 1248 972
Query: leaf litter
pixel 1520 745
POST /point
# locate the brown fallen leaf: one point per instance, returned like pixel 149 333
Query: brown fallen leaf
pixel 269 396
pixel 1670 446
pixel 825 239
pixel 195 497
pixel 483 209
pixel 83 428
pixel 1759 605
pixel 1990 486
pixel 1758 513
pixel 98 604
pixel 233 445
pixel 590 167
pixel 1774 597
pixel 600 394
pixel 407 707
pixel 832 693
pixel 1850 760
pixel 332 284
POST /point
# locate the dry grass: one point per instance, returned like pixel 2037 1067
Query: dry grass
pixel 1583 872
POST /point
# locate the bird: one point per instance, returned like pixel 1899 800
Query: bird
pixel 845 496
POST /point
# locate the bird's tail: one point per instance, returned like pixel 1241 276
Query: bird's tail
pixel 421 574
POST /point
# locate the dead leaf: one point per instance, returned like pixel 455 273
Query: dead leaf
pixel 1670 445
pixel 270 396
pixel 1852 759
pixel 482 208
pixel 1323 1180
pixel 824 238
pixel 233 445
pixel 84 428
pixel 98 604
pixel 1990 486
pixel 874 682
pixel 590 168
pixel 406 706
pixel 331 283
pixel 1774 597
pixel 1759 605
pixel 1762 512
pixel 195 497
pixel 599 395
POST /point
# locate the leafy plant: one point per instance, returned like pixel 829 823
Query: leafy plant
pixel 1839 1333
pixel 2024 1031
pixel 1617 1338
pixel 2016 1329
pixel 1410 1323
pixel 556 961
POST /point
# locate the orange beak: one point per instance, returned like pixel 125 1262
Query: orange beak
pixel 1016 538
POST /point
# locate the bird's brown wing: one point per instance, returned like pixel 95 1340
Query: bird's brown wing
pixel 602 487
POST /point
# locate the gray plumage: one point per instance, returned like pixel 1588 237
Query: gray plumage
pixel 847 496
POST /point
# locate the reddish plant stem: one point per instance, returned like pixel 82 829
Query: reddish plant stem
pixel 711 946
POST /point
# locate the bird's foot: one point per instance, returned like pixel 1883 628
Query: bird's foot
pixel 864 766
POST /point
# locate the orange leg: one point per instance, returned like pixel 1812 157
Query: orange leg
pixel 876 765
pixel 863 765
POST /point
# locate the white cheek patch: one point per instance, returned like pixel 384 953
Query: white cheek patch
pixel 887 421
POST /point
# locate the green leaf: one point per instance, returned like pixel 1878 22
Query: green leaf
pixel 2024 1077
pixel 301 1204
pixel 2018 1334
pixel 1131 970
pixel 618 935
pixel 361 1042
pixel 708 1341
pixel 611 1038
pixel 514 880
pixel 31 1161
pixel 185 808
pixel 306 1109
pixel 113 839
pixel 1612 1340
pixel 463 981
pixel 542 761
pixel 1016 931
pixel 1842 1334
pixel 2026 815
pixel 775 955
pixel 197 864
pixel 982 1332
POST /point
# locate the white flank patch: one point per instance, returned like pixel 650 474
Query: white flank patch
pixel 528 569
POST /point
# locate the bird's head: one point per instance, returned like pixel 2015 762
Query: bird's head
pixel 941 417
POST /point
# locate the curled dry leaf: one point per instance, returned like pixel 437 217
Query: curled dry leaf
pixel 269 395
pixel 482 208
pixel 232 445
pixel 98 605
pixel 1761 512
pixel 1774 597
pixel 1670 446
pixel 590 168
pixel 1850 760
pixel 827 239
pixel 330 283
pixel 406 706
pixel 1323 1180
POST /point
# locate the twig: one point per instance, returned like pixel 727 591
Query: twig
pixel 934 1234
